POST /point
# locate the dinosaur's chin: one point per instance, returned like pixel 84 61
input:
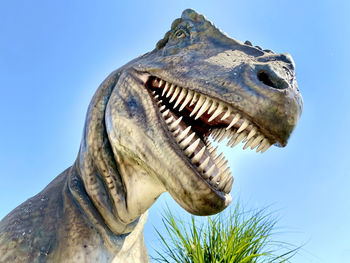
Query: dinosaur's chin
pixel 210 203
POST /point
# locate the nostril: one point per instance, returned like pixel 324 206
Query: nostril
pixel 265 78
pixel 271 81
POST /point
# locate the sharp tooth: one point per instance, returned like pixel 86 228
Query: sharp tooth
pixel 176 92
pixel 204 108
pixel 219 135
pixel 210 171
pixel 189 96
pixel 181 96
pixel 220 162
pixel 171 90
pixel 176 132
pixel 195 98
pixel 234 141
pixel 265 148
pixel 183 134
pixel 249 142
pixel 239 139
pixel 222 165
pixel 165 88
pixel 165 113
pixel 227 113
pixel 175 124
pixel 203 164
pixel 233 138
pixel 169 120
pixel 213 152
pixel 162 108
pixel 213 106
pixel 198 156
pixel 256 141
pixel 226 134
pixel 159 102
pixel 160 83
pixel 225 173
pixel 209 147
pixel 187 140
pixel 207 142
pixel 156 97
pixel 214 132
pixel 218 111
pixel 234 120
pixel 252 133
pixel 228 186
pixel 223 181
pixel 199 104
pixel 153 92
pixel 218 157
pixel 190 149
pixel 243 126
pixel 215 180
pixel 262 145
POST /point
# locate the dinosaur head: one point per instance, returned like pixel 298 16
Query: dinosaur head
pixel 197 83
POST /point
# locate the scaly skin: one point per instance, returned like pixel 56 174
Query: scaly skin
pixel 132 150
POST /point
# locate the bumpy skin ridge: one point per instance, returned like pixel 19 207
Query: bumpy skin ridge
pixel 95 210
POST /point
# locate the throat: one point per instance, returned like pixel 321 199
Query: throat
pixel 114 240
pixel 142 188
pixel 99 210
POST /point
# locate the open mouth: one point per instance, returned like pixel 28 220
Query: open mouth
pixel 192 117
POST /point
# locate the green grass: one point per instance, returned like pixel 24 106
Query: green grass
pixel 233 236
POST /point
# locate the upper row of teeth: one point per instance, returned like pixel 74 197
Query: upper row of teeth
pixel 235 138
pixel 213 107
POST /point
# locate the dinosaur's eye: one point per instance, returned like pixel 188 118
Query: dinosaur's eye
pixel 180 34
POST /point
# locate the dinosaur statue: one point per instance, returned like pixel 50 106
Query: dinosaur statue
pixel 147 131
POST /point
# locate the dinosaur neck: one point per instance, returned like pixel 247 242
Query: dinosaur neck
pixel 119 190
pixel 96 167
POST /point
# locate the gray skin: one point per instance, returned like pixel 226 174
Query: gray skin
pixel 95 210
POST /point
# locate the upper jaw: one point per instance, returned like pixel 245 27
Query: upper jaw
pixel 234 99
pixel 272 104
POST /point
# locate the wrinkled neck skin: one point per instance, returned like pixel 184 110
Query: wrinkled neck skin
pixel 118 185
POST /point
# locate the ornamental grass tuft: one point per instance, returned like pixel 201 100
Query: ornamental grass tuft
pixel 233 236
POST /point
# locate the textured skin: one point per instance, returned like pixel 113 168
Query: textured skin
pixel 96 209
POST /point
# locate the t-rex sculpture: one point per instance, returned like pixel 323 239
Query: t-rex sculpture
pixel 146 132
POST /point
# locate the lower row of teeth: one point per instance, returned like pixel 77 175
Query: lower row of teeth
pixel 222 180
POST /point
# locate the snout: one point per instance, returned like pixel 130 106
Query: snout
pixel 279 103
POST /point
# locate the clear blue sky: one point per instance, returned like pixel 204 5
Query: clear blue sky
pixel 53 56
